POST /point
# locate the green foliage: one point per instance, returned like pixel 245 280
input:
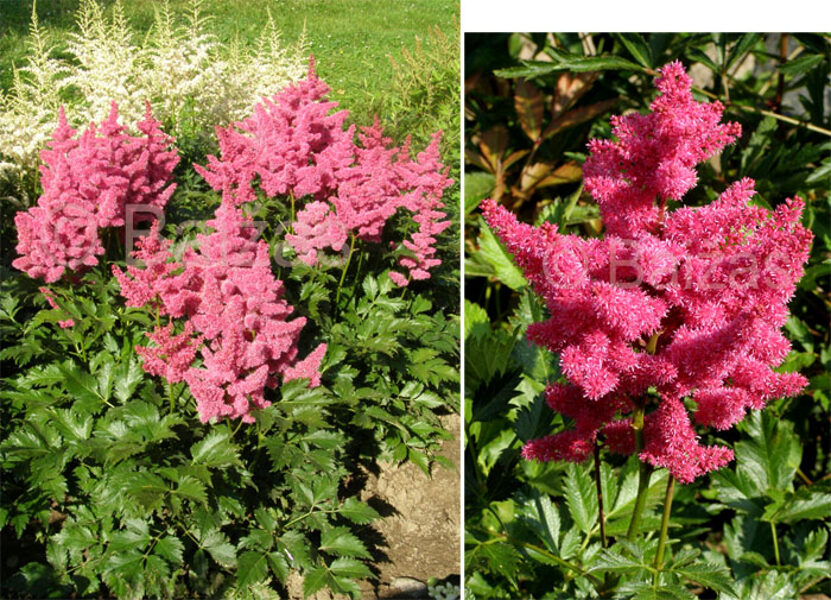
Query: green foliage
pixel 128 492
pixel 425 81
pixel 755 529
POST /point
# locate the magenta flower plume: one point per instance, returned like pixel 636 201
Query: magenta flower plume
pixel 87 183
pixel 668 305
pixel 655 154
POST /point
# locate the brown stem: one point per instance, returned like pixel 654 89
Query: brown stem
pixel 780 84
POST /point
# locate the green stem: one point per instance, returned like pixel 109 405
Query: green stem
pixel 775 544
pixel 406 287
pixel 291 220
pixel 644 473
pixel 234 432
pixel 662 539
pixel 170 397
pixel 345 267
pixel 804 477
pixel 600 516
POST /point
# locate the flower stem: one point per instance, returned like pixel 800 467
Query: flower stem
pixel 644 473
pixel 662 539
pixel 291 218
pixel 346 266
pixel 775 544
pixel 600 516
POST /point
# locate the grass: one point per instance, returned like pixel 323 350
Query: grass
pixel 352 40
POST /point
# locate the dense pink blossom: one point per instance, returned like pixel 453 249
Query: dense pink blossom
pixel 655 154
pixel 235 317
pixel 669 304
pixel 295 147
pixel 671 442
pixel 87 182
pixel 172 354
pixel 293 143
pixel 316 229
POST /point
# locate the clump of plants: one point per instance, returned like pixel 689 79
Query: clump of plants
pixel 669 323
pixel 188 419
pixel 176 67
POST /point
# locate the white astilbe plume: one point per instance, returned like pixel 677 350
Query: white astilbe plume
pixel 28 111
pixel 274 65
pixel 185 73
pixel 109 64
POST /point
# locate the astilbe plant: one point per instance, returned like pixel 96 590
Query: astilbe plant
pixel 88 180
pixel 234 317
pixel 175 66
pixel 294 146
pixel 671 308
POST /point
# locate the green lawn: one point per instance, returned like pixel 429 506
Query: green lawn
pixel 351 39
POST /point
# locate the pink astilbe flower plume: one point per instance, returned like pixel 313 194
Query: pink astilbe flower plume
pixel 291 143
pixel 655 154
pixel 294 146
pixel 87 183
pixel 235 319
pixel 688 303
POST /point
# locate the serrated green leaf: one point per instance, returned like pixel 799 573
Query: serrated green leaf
pixel 772 455
pixel 801 65
pixel 279 566
pixel 741 47
pixel 265 519
pixel 804 505
pixel 146 488
pixel 610 560
pixel 637 47
pixel 501 558
pixel 581 497
pixel 252 568
pixel 340 541
pixel 350 567
pixel 191 488
pixel 493 253
pixel 357 511
pixel 215 450
pixel 315 580
pixel 127 377
pixel 713 576
pixel 478 186
pixel 217 545
pixel 170 548
pixel 549 520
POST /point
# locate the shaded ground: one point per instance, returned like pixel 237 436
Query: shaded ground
pixel 418 538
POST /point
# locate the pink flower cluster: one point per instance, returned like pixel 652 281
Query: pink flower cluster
pixel 294 146
pixel 655 154
pixel 87 182
pixel 689 302
pixel 234 318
